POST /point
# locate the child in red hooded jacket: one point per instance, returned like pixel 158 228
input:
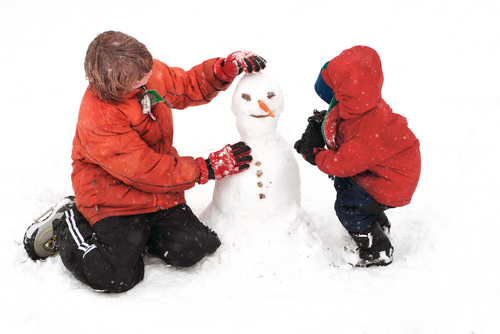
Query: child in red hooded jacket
pixel 128 178
pixel 372 155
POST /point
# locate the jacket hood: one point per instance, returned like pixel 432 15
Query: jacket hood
pixel 356 78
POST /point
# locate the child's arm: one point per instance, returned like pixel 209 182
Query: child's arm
pixel 203 82
pixel 184 89
pixel 352 158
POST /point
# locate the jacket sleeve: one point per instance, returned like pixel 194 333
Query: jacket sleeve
pixel 353 157
pixel 184 89
pixel 119 150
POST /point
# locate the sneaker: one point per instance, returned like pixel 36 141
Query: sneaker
pixel 40 239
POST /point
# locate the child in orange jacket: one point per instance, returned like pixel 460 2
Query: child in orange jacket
pixel 370 152
pixel 128 178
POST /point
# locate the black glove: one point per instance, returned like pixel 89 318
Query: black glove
pixel 317 117
pixel 312 139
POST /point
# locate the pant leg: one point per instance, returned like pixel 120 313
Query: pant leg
pixel 180 238
pixel 378 211
pixel 107 256
pixel 351 198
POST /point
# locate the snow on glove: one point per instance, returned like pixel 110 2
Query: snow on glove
pixel 229 68
pixel 230 160
pixel 312 140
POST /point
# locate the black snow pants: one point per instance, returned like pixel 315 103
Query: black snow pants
pixel 108 256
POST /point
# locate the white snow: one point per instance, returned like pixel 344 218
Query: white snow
pixel 440 61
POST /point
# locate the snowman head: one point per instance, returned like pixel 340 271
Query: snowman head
pixel 253 88
pixel 257 103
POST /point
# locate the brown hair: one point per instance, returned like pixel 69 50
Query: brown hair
pixel 114 63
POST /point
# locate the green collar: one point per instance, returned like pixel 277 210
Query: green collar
pixel 332 104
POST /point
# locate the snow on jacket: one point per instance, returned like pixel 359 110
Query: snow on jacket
pixel 366 140
pixel 123 160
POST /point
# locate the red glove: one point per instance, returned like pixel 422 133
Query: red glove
pixel 232 159
pixel 229 68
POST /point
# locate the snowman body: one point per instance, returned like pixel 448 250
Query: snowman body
pixel 268 193
pixel 257 213
pixel 268 190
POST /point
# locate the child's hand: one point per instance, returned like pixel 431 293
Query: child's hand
pixel 318 116
pixel 312 140
pixel 229 68
pixel 230 160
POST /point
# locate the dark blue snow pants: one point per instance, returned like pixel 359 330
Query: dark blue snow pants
pixel 355 208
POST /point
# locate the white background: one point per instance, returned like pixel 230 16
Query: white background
pixel 440 60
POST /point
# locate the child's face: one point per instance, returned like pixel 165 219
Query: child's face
pixel 143 81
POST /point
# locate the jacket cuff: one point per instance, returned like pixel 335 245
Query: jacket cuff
pixel 316 150
pixel 219 73
pixel 204 170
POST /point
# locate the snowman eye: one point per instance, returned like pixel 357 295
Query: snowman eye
pixel 270 95
pixel 246 97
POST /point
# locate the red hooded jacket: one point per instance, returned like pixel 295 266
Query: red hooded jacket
pixel 123 160
pixel 366 140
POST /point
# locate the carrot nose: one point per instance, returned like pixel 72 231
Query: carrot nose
pixel 264 107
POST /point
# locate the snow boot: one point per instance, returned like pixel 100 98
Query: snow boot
pixel 40 238
pixel 373 248
pixel 383 221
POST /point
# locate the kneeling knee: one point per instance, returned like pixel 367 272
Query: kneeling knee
pixel 191 252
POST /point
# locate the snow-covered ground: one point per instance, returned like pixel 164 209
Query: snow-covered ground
pixel 440 60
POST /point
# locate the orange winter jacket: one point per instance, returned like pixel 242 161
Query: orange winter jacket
pixel 367 140
pixel 123 160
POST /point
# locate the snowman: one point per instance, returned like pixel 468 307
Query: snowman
pixel 257 213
